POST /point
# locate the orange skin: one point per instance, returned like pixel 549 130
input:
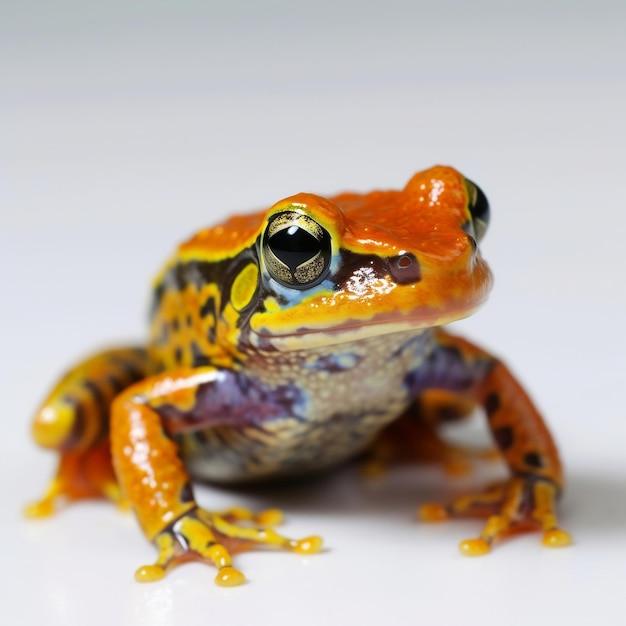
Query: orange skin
pixel 265 353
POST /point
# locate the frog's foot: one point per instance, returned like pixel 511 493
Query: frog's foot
pixel 513 506
pixel 210 537
pixel 80 476
pixel 59 494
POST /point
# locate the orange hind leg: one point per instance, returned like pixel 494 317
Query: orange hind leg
pixel 74 421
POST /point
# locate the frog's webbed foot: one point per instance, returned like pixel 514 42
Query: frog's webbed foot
pixel 57 495
pixel 80 476
pixel 212 537
pixel 516 505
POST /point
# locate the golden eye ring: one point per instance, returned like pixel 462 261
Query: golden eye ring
pixel 296 250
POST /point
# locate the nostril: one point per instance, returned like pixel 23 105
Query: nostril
pixel 405 269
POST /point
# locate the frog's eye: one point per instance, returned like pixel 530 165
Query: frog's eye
pixel 478 208
pixel 296 250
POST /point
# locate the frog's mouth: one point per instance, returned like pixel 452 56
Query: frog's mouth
pixel 352 330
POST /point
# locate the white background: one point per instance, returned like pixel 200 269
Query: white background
pixel 125 126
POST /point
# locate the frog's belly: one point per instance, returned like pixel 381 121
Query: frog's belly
pixel 285 447
pixel 345 397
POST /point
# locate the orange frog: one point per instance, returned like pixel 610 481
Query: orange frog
pixel 285 342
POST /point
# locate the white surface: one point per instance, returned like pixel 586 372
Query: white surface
pixel 125 126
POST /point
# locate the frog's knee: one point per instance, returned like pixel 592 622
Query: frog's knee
pixel 53 425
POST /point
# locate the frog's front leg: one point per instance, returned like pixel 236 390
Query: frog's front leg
pixel 528 498
pixel 144 420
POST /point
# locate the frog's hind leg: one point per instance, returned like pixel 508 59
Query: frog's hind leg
pixel 74 420
pixel 527 499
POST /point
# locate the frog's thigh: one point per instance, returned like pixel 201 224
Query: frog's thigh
pixel 74 420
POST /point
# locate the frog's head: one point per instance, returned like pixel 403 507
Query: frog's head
pixel 354 266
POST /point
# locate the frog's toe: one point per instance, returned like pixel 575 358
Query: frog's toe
pixel 432 512
pixel 166 544
pixel 260 533
pixel 41 508
pixel 149 573
pixel 229 577
pixel 308 545
pixel 556 538
pixel 475 547
pixel 267 518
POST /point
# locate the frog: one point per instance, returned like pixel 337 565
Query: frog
pixel 285 342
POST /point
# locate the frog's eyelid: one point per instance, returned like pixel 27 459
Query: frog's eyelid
pixel 288 219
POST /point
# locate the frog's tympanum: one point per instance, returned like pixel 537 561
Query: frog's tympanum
pixel 285 342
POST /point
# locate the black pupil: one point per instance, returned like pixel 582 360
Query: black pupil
pixel 294 246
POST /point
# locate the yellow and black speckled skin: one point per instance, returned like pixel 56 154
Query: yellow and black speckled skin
pixel 287 341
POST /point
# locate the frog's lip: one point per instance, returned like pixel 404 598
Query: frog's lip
pixel 354 330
